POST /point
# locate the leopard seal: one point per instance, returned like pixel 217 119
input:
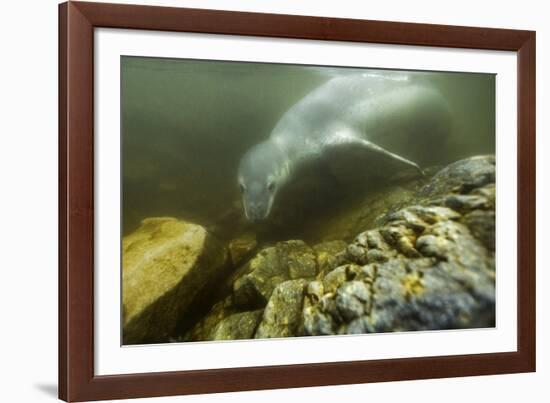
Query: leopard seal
pixel 372 122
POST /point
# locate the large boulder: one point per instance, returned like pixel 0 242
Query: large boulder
pixel 429 265
pixel 441 277
pixel 166 263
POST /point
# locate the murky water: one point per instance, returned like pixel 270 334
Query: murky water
pixel 186 124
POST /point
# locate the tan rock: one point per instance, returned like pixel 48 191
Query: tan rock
pixel 166 262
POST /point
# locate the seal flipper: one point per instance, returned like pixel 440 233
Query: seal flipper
pixel 355 160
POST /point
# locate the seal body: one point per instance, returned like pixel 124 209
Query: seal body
pixel 358 125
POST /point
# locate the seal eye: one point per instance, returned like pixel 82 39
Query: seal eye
pixel 271 186
pixel 242 188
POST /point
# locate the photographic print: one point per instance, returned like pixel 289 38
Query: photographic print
pixel 265 200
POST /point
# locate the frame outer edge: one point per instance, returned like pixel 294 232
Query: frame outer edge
pixel 300 26
pixel 527 201
pixel 62 207
pixel 76 354
pixel 76 208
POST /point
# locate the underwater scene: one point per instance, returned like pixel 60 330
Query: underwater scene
pixel 264 200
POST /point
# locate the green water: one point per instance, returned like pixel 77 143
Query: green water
pixel 187 123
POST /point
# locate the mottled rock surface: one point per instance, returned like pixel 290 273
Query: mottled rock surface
pixel 270 267
pixel 272 283
pixel 166 262
pixel 283 314
pixel 241 247
pixel 327 253
pixel 241 325
pixel 429 265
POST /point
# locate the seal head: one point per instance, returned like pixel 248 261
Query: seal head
pixel 262 172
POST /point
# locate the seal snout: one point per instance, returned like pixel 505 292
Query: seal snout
pixel 257 199
pixel 256 211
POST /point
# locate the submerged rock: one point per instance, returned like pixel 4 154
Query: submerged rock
pixel 283 314
pixel 482 226
pixel 266 294
pixel 353 215
pixel 352 299
pixel 430 265
pixel 241 325
pixel 270 267
pixel 166 262
pixel 204 329
pixel 461 177
pixel 327 254
pixel 242 246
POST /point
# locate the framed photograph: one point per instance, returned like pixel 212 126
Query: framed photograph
pixel 254 201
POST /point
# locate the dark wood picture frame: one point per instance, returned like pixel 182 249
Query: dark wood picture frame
pixel 77 381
